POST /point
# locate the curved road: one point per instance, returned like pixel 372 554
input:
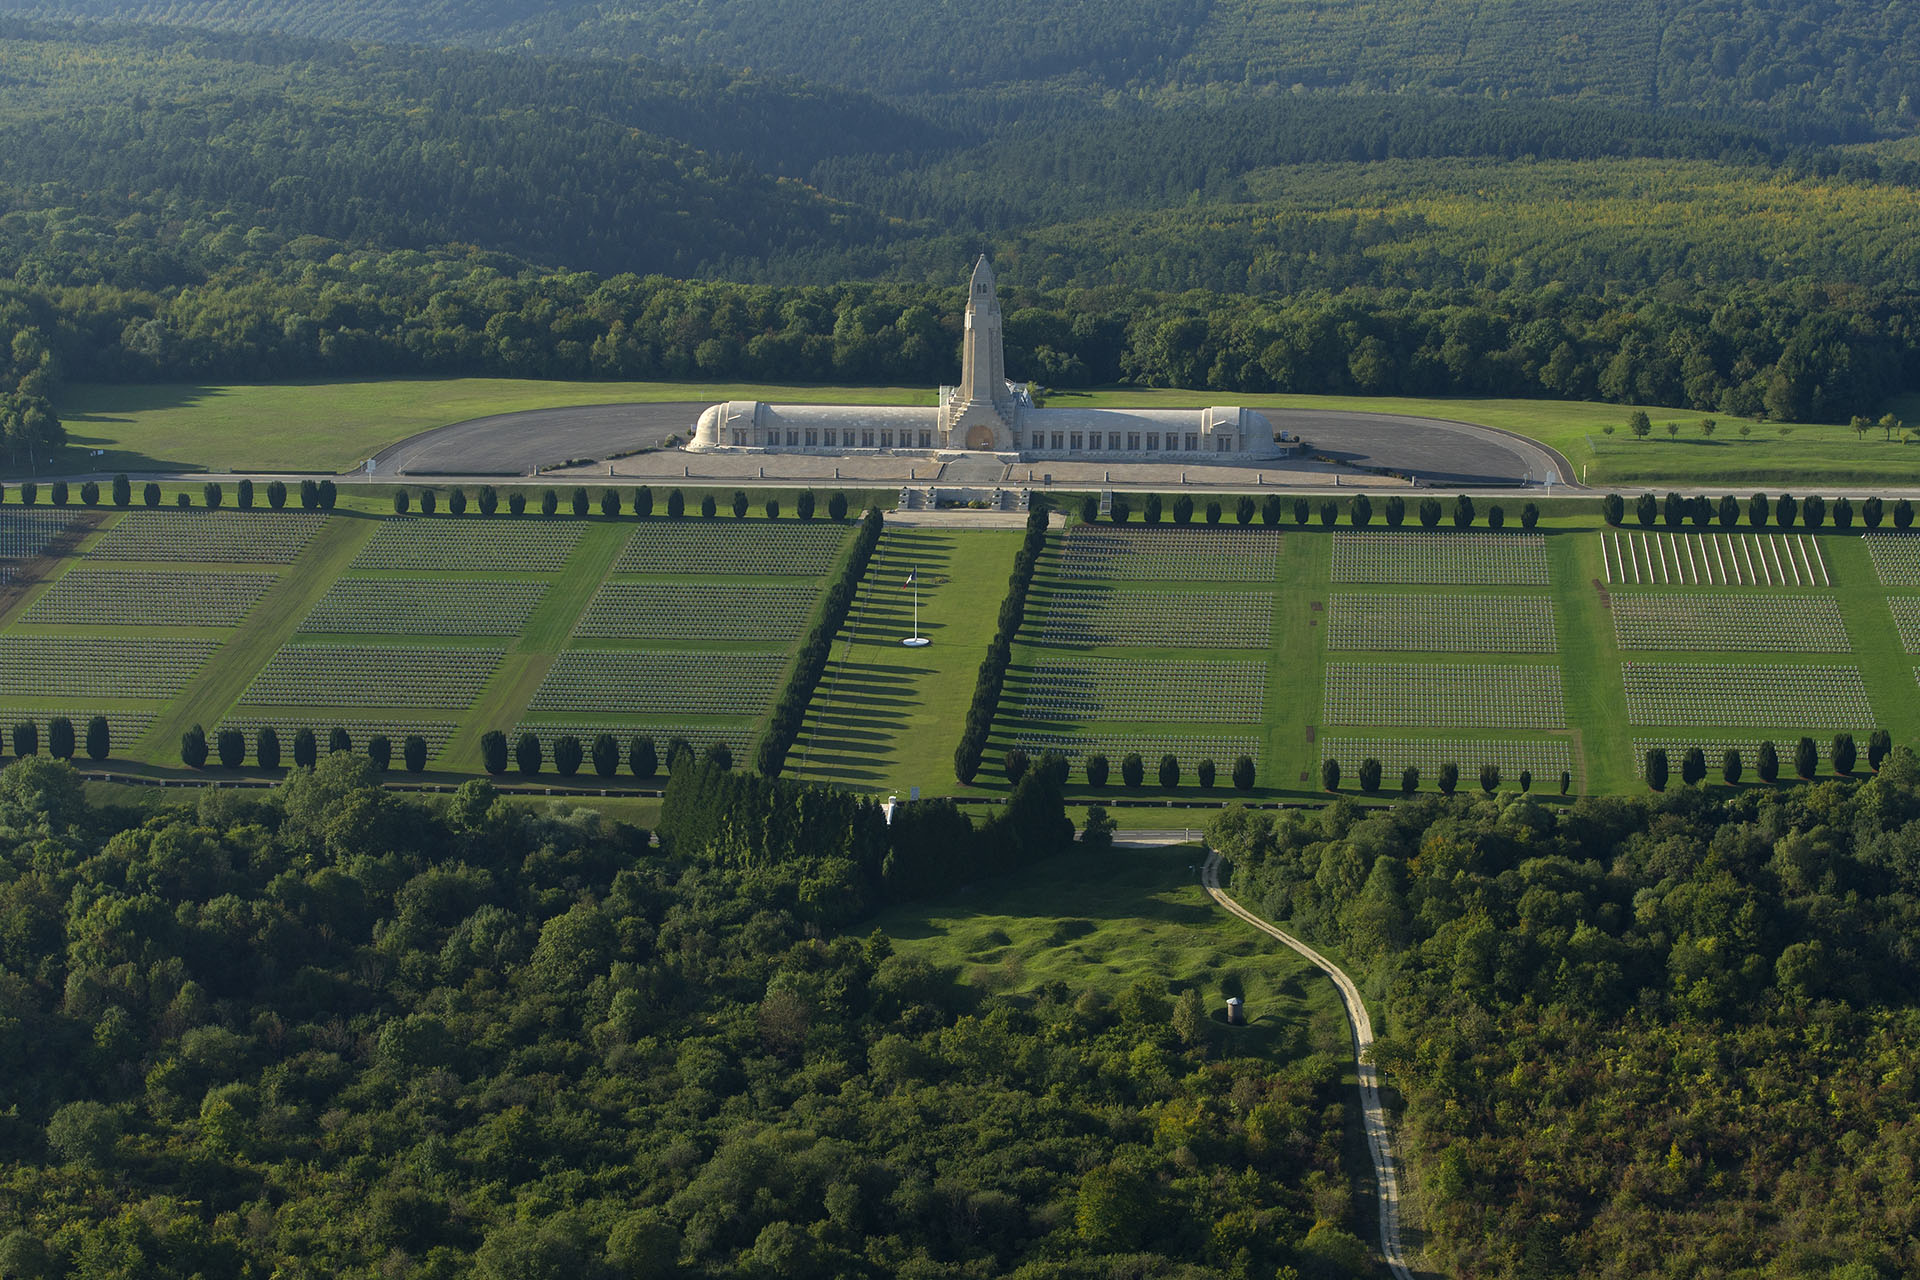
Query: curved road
pixel 1379 1140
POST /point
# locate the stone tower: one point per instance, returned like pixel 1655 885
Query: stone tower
pixel 979 413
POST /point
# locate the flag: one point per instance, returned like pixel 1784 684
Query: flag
pixel 910 575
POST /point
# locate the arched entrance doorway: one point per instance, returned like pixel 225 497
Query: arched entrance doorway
pixel 981 437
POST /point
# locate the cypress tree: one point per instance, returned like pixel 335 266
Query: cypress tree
pixel 567 755
pixel 380 752
pixel 193 747
pixel 1806 758
pixel 1330 774
pixel 99 738
pixel 413 753
pixel 1766 763
pixel 266 747
pixel 1243 773
pixel 606 755
pixel 1657 768
pixel 527 754
pixel 1370 775
pixel 306 748
pixel 493 752
pixel 1730 767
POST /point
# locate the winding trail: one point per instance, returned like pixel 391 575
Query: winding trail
pixel 1379 1140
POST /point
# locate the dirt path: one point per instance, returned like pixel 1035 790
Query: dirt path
pixel 1379 1140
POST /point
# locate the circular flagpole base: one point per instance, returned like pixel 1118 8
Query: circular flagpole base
pixel 916 642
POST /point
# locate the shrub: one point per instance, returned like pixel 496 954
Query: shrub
pixel 837 506
pixel 1096 766
pixel 1449 778
pixel 549 502
pixel 1396 511
pixel 1566 782
pixel 326 495
pixel 60 738
pixel 1360 511
pixel 527 755
pixel 90 493
pixel 1463 512
pixel 679 754
pixel 1243 509
pixel 609 502
pixel 231 746
pixel 122 490
pixel 99 738
pixel 306 749
pixel 1530 514
pixel 708 507
pixel 266 747
pixel 488 500
pixel 1757 510
pixel 193 747
pixel 1879 747
pixel 26 738
pixel 276 494
pixel 1183 509
pixel 429 502
pixel 1843 513
pixel 802 505
pixel 1785 510
pixel 567 755
pixel 1150 509
pixel 1656 770
pixel 1329 513
pixel 1526 781
pixel 1729 511
pixel 1766 763
pixel 1489 778
pixel 243 495
pixel 1213 511
pixel 739 504
pixel 59 493
pixel 1133 770
pixel 1089 508
pixel 339 741
pixel 1409 780
pixel 309 495
pixel 413 753
pixel 1098 833
pixel 517 503
pixel 1015 765
pixel 1169 771
pixel 605 755
pixel 1369 775
pixel 1330 774
pixel 581 503
pixel 457 502
pixel 402 502
pixel 1730 767
pixel 1806 758
pixel 772 507
pixel 1813 512
pixel 1203 773
pixel 1872 511
pixel 1693 766
pixel 1271 509
pixel 1243 773
pixel 30 492
pixel 493 752
pixel 1119 509
pixel 1843 754
pixel 1302 512
pixel 1429 513
pixel 181 499
pixel 642 761
pixel 1496 517
pixel 380 752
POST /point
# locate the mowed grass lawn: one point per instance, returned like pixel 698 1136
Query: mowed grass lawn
pixel 333 426
pixel 1777 454
pixel 1102 922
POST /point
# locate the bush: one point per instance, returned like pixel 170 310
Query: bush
pixel 26 738
pixel 493 752
pixel 527 755
pixel 1766 763
pixel 1169 771
pixel 1243 773
pixel 1673 510
pixel 1203 774
pixel 549 503
pixel 1463 512
pixel 676 504
pixel 231 746
pixel 802 505
pixel 609 502
pixel 276 494
pixel 1090 508
pixel 605 756
pixel 210 495
pixel 1496 517
pixel 1646 509
pixel 1360 511
pixel 1872 512
pixel 429 502
pixel 1271 509
pixel 1396 511
pixel 1329 513
pixel 517 503
pixel 772 508
pixel 1150 509
pixel 1119 509
pixel 1183 509
pixel 309 495
pixel 1526 781
pixel 1785 510
pixel 122 490
pixel 1449 779
pixel 380 752
pixel 266 747
pixel 1409 780
pixel 1843 513
pixel 837 506
pixel 402 502
pixel 339 741
pixel 1213 511
pixel 99 738
pixel 1693 766
pixel 1843 754
pixel 1369 775
pixel 642 761
pixel 1489 778
pixel 59 493
pixel 567 755
pixel 30 493
pixel 1806 758
pixel 326 495
pixel 1429 513
pixel 1097 834
pixel 708 507
pixel 1330 774
pixel 457 502
pixel 60 738
pixel 1133 770
pixel 1243 509
pixel 1530 514
pixel 1729 511
pixel 306 748
pixel 1656 770
pixel 1813 512
pixel 1302 512
pixel 181 499
pixel 581 503
pixel 1879 747
pixel 1014 764
pixel 679 754
pixel 90 493
pixel 489 500
pixel 193 747
pixel 1730 767
pixel 413 753
pixel 1096 766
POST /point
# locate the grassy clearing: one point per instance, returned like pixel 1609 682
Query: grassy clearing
pixel 1102 922
pixel 331 426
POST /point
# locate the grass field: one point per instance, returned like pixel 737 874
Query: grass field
pixel 334 425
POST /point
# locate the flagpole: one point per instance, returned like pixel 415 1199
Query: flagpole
pixel 916 640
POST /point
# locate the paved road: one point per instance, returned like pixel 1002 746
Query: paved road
pixel 516 443
pixel 1438 451
pixel 1379 1139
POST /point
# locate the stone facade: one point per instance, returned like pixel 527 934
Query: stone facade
pixel 986 413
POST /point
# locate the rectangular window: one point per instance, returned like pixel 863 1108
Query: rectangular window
pixel 1133 441
pixel 866 439
pixel 793 438
pixel 1056 441
pixel 1193 443
pixel 926 439
pixel 1153 442
pixel 1113 441
pixel 811 437
pixel 1073 441
pixel 886 439
pixel 739 437
pixel 1223 444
